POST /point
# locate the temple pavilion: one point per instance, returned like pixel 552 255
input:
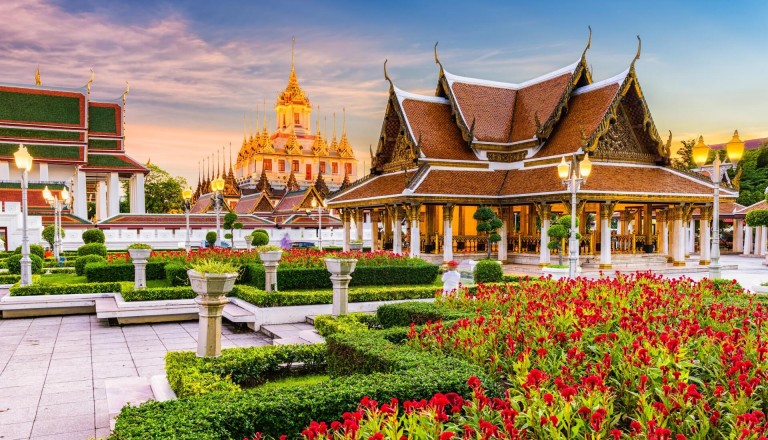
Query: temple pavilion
pixel 480 142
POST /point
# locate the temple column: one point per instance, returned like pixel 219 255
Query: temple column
pixel 43 172
pixel 448 232
pixel 663 231
pixel 137 194
pixel 624 219
pixel 101 201
pixel 80 199
pixel 671 233
pixel 545 212
pixel 678 253
pixel 606 214
pixel 374 230
pixel 113 192
pixel 747 240
pixel 397 231
pixel 691 230
pixel 345 218
pixel 648 227
pixel 415 248
pixel 359 214
pixel 5 170
pixel 386 219
pixel 738 232
pixel 758 243
pixel 503 232
pixel 764 240
pixel 705 244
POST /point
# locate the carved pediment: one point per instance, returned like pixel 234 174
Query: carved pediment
pixel 620 143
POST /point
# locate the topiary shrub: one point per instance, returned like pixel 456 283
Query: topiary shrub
pixel 93 236
pixel 260 238
pixel 488 271
pixel 14 263
pixel 34 249
pixel 82 261
pixel 210 238
pixel 49 234
pixel 92 249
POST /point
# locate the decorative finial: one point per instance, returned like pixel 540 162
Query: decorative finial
pixel 256 119
pixel 344 121
pixel 293 44
pixel 637 55
pixel 437 60
pixel 230 156
pixel 589 43
pixel 90 81
pixel 125 93
pixel 386 76
pixel 38 82
pixel 334 125
pixel 265 113
pixel 245 128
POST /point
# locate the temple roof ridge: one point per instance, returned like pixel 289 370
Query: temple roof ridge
pixel 508 85
pixel 402 95
pixel 616 79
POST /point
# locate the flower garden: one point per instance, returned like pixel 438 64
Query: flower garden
pixel 633 357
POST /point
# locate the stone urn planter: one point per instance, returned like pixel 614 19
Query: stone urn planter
pixel 341 274
pixel 558 272
pixel 139 257
pixel 139 254
pixel 211 290
pixel 356 246
pixel 270 258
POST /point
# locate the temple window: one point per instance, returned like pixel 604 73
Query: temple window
pixel 267 164
pixel 348 168
pixel 295 166
pixel 308 174
pixel 296 118
pixel 322 167
pixel 335 168
pixel 281 166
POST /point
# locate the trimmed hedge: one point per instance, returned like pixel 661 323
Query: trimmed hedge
pixel 157 293
pixel 14 263
pixel 106 272
pixel 419 313
pixel 9 279
pixel 64 289
pixel 93 236
pixel 327 325
pixel 81 262
pixel 34 249
pixel 92 249
pixel 488 271
pixel 261 298
pixel 320 278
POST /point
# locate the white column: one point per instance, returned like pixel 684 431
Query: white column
pixel 447 233
pixel 113 193
pixel 346 226
pixel 503 232
pixel 691 244
pixel 43 172
pixel 415 247
pixel 544 214
pixel 397 231
pixel 764 240
pixel 80 202
pixel 664 225
pixel 678 254
pixel 738 232
pixel 758 240
pixel 137 194
pixel 606 213
pixel 747 240
pixel 359 223
pixel 374 217
pixel 705 244
pixel 101 201
pixel 5 170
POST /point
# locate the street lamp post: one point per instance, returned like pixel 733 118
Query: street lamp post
pixel 58 204
pixel 734 150
pixel 24 163
pixel 319 207
pixel 187 195
pixel 573 176
pixel 217 185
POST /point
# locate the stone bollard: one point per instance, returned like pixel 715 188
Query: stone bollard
pixel 211 290
pixel 139 257
pixel 270 259
pixel 341 274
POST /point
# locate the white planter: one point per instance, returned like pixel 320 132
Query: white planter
pixel 340 266
pixel 341 274
pixel 270 256
pixel 558 272
pixel 211 290
pixel 213 284
pixel 356 246
pixel 140 254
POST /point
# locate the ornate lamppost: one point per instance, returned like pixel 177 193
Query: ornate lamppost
pixel 58 204
pixel 24 163
pixel 319 207
pixel 217 185
pixel 187 195
pixel 573 176
pixel 734 150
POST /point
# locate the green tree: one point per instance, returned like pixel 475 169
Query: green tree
pixel 49 234
pixel 752 176
pixel 488 224
pixel 559 232
pixel 684 159
pixel 162 192
pixel 231 223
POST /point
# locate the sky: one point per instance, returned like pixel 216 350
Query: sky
pixel 196 66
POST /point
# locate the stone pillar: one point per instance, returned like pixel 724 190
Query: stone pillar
pixel 504 233
pixel 447 232
pixel 79 197
pixel 672 238
pixel 359 214
pixel 113 192
pixel 544 211
pixel 415 248
pixel 747 240
pixel 662 229
pixel 397 231
pixel 211 290
pixel 374 230
pixel 606 214
pixel 102 211
pixel 758 242
pixel 139 257
pixel 738 233
pixel 678 253
pixel 341 274
pixel 43 172
pixel 705 244
pixel 137 194
pixel 691 230
pixel 345 218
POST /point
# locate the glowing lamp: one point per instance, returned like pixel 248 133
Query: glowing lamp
pixel 23 158
pixel 563 169
pixel 217 184
pixel 585 167
pixel 186 193
pixel 700 152
pixel 47 194
pixel 65 195
pixel 314 203
pixel 735 148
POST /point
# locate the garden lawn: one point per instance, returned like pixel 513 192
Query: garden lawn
pixel 292 381
pixel 70 278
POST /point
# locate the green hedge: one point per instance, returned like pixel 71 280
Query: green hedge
pixel 92 248
pixel 81 262
pixel 320 278
pixel 488 271
pixel 403 314
pixel 105 272
pixel 261 298
pixel 190 375
pixel 9 279
pixel 327 325
pixel 156 293
pixel 64 289
pixel 14 263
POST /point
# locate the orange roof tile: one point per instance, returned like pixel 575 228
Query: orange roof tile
pixel 383 185
pixel 440 136
pixel 491 108
pixel 540 98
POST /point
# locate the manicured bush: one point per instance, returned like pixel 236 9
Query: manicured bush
pixel 34 249
pixel 156 293
pixel 92 249
pixel 87 259
pixel 488 271
pixel 14 263
pixel 403 314
pixel 327 325
pixel 260 238
pixel 64 289
pixel 210 238
pixel 49 234
pixel 93 236
pixel 176 274
pixel 108 272
pixel 319 278
pixel 9 279
pixel 261 298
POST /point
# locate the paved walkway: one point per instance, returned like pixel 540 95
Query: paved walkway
pixel 52 370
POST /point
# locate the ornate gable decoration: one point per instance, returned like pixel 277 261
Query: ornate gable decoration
pixel 404 155
pixel 266 143
pixel 292 146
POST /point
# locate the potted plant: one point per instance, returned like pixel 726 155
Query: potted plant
pixel 356 245
pixel 211 280
pixel 212 277
pixel 270 253
pixel 140 251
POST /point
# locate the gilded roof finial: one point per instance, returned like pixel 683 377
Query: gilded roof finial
pixel 386 76
pixel 437 60
pixel 245 129
pixel 230 157
pixel 256 119
pixel 125 93
pixel 589 43
pixel 293 44
pixel 38 82
pixel 637 55
pixel 90 81
pixel 265 114
pixel 344 121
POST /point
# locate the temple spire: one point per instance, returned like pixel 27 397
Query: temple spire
pixel 256 118
pixel 293 45
pixel 38 81
pixel 245 130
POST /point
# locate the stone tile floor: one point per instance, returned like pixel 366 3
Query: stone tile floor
pixel 52 369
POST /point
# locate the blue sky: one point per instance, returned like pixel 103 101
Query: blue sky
pixel 196 66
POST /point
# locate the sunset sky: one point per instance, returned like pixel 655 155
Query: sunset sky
pixel 196 66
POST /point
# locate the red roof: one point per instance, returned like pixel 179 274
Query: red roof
pixel 432 123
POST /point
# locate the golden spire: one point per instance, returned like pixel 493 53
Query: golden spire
pixel 344 148
pixel 319 147
pixel 293 45
pixel 256 119
pixel 265 114
pixel 90 81
pixel 245 130
pixel 334 145
pixel 38 82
